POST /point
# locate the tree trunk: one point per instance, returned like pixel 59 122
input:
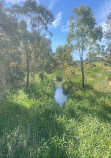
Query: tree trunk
pixel 82 70
pixel 69 79
pixel 33 75
pixel 27 82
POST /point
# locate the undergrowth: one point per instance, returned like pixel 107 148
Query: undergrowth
pixel 33 125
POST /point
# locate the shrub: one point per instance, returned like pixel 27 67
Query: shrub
pixel 59 78
pixel 109 77
pixel 41 75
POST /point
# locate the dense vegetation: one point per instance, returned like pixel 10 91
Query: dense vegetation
pixel 32 124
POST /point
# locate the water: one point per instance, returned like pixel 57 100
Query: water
pixel 59 95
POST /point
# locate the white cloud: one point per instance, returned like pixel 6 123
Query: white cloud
pixel 52 3
pixel 103 13
pixel 57 20
pixel 47 36
pixel 65 28
pixel 106 9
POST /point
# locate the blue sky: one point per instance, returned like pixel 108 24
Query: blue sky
pixel 62 10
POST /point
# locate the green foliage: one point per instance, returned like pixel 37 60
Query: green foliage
pixel 41 75
pixel 66 86
pixel 83 33
pixel 108 32
pixel 59 78
pixel 5 19
pixel 58 74
pixel 109 77
pixel 33 125
pixel 63 56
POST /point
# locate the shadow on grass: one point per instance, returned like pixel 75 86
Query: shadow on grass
pixel 40 127
pixel 11 115
pixel 40 120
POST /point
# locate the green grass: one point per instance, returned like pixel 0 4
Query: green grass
pixel 33 125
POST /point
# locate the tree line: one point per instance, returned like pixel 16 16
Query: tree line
pixel 25 50
pixel 84 39
pixel 23 46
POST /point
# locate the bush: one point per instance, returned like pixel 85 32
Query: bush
pixel 109 77
pixel 41 75
pixel 59 78
pixel 67 87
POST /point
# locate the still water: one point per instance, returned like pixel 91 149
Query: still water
pixel 59 95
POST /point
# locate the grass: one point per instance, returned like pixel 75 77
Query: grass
pixel 33 125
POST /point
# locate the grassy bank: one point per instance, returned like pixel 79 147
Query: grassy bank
pixel 33 125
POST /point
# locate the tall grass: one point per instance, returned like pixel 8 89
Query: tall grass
pixel 33 125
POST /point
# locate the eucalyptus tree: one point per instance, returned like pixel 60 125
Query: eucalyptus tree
pixel 44 54
pixel 108 32
pixel 83 33
pixel 37 18
pixel 10 66
pixel 8 23
pixel 64 60
pixel 11 59
pixel 63 55
pixel 96 51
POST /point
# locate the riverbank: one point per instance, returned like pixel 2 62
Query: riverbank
pixel 34 125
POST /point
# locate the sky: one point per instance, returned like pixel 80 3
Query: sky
pixel 62 10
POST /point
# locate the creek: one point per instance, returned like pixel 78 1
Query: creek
pixel 60 97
